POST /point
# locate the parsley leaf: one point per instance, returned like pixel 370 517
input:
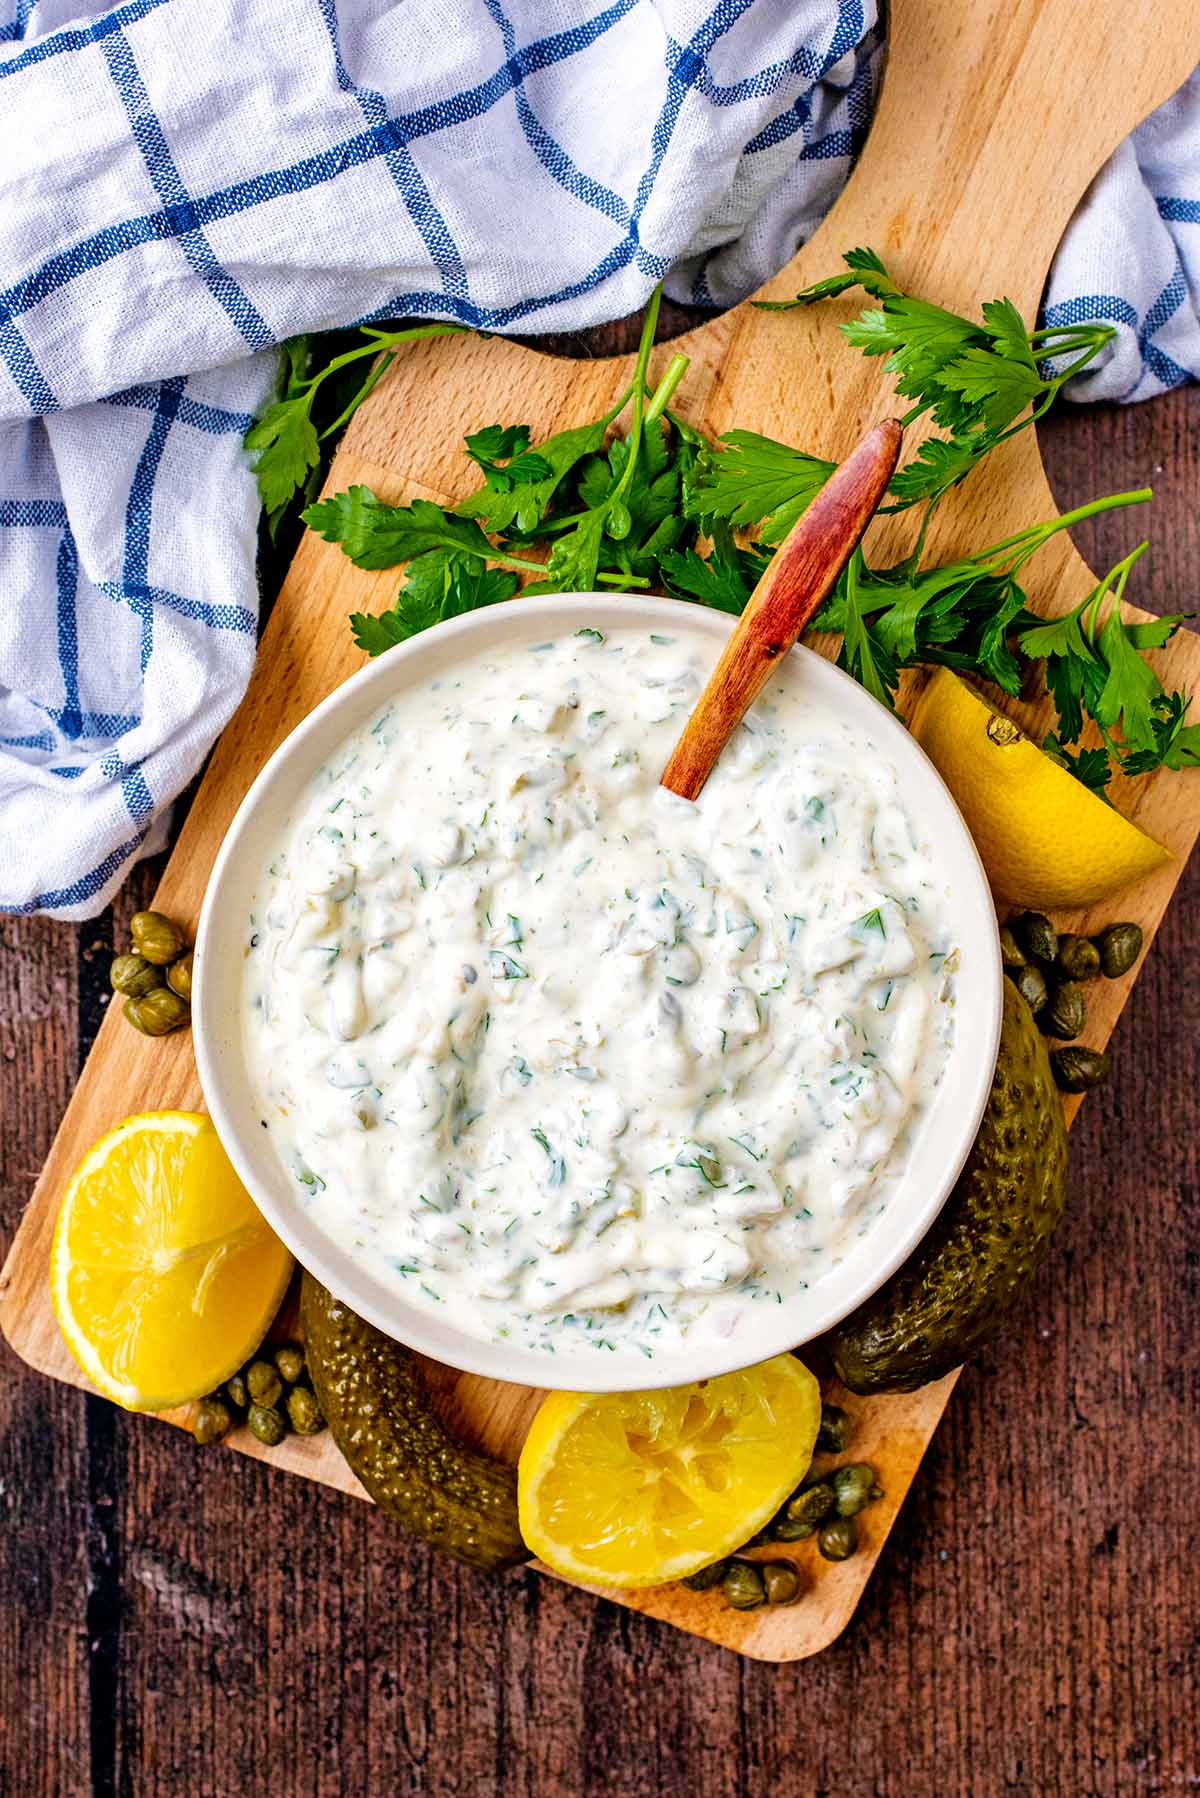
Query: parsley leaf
pixel 1091 766
pixel 752 480
pixel 724 579
pixel 439 585
pixel 524 502
pixel 503 453
pixel 376 535
pixel 285 446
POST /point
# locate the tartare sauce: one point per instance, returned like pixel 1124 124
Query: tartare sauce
pixel 561 1054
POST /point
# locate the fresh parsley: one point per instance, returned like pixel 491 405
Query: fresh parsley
pixel 659 506
pixel 285 442
pixel 980 382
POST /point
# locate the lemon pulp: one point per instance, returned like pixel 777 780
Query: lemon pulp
pixel 164 1276
pixel 636 1488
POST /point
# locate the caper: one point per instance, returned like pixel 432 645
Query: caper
pixel 304 1411
pixel 155 937
pixel 742 1584
pixel 158 1012
pixel 838 1539
pixel 236 1390
pixel 1036 935
pixel 1030 982
pixel 266 1425
pixel 1119 947
pixel 1078 958
pixel 1065 1013
pixel 133 976
pixel 834 1432
pixel 211 1421
pixel 705 1578
pixel 1011 952
pixel 792 1529
pixel 852 1486
pixel 1077 1070
pixel 812 1504
pixel 179 976
pixel 781 1582
pixel 289 1359
pixel 263 1383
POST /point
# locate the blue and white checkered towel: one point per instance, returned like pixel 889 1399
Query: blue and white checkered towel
pixel 184 183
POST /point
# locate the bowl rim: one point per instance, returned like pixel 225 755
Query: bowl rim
pixel 217 1037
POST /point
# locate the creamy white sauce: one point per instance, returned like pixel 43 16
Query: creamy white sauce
pixel 562 1054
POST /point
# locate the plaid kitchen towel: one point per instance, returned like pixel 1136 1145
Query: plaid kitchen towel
pixel 185 183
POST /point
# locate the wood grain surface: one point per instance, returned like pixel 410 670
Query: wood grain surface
pixel 924 182
pixel 1031 1629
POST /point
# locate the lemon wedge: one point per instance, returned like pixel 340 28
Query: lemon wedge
pixel 637 1488
pixel 163 1275
pixel 1045 840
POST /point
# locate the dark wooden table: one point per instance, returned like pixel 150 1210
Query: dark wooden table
pixel 185 1622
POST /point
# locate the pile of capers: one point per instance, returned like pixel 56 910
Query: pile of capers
pixel 155 976
pixel 1049 971
pixel 270 1397
pixel 824 1505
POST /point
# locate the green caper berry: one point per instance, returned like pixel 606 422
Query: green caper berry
pixel 1030 982
pixel 212 1420
pixel 705 1578
pixel 179 976
pixel 236 1390
pixel 289 1359
pixel 157 1012
pixel 1065 1012
pixel 834 1432
pixel 781 1582
pixel 263 1383
pixel 1036 935
pixel 133 976
pixel 266 1425
pixel 1078 957
pixel 792 1529
pixel 304 1411
pixel 838 1539
pixel 812 1504
pixel 1011 952
pixel 1119 947
pixel 1078 1070
pixel 155 937
pixel 852 1488
pixel 742 1584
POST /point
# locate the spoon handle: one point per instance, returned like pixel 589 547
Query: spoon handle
pixel 793 584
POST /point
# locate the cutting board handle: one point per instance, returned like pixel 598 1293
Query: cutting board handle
pixel 994 117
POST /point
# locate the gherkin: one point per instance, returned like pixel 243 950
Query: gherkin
pixel 970 1272
pixel 379 1414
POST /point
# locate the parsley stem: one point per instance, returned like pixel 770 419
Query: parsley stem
pixel 633 442
pixel 384 345
pixel 661 397
pixel 1114 583
pixel 1024 543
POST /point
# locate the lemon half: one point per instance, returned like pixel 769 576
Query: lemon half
pixel 1045 840
pixel 637 1488
pixel 163 1274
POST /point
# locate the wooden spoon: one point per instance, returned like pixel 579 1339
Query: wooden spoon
pixel 793 584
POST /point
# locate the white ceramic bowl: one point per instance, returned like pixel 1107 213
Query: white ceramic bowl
pixel 946 1133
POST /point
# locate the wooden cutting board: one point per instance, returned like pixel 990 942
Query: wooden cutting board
pixel 994 117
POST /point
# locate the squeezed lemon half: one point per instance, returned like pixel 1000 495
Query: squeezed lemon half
pixel 637 1488
pixel 1045 840
pixel 163 1274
